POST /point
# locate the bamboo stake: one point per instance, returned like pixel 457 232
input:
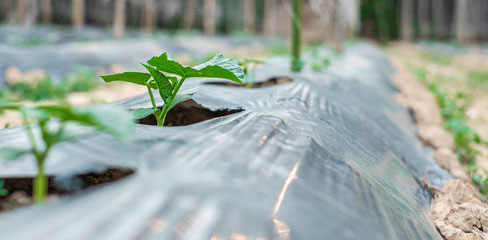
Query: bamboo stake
pixel 296 64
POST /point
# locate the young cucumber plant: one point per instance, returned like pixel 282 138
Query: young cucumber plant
pixel 167 76
pixel 107 119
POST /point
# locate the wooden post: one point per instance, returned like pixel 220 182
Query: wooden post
pixel 461 18
pixel 210 13
pixel 439 19
pixel 270 17
pixel 149 15
pixel 119 19
pixel 189 14
pixel 21 10
pixel 46 11
pixel 32 13
pixel 11 14
pixel 423 18
pixel 78 13
pixel 249 15
pixel 406 27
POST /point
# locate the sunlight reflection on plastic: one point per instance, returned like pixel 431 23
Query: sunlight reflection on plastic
pixel 292 176
pixel 282 229
pixel 156 225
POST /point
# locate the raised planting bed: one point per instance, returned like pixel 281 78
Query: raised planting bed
pixel 327 155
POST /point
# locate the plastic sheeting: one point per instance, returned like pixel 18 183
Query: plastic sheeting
pixel 327 156
pixel 59 50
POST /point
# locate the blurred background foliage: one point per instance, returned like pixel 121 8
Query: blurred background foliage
pixel 463 21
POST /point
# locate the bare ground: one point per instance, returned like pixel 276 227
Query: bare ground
pixel 458 211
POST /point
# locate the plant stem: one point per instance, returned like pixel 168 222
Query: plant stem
pixel 168 104
pixel 153 104
pixel 40 183
pixel 296 64
pixel 152 97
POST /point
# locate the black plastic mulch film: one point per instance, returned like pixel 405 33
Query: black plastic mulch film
pixel 327 156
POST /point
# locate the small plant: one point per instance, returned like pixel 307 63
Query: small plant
pixel 248 66
pixel 3 191
pixel 80 80
pixel 107 119
pixel 167 76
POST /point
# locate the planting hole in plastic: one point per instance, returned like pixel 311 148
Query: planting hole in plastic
pixel 189 112
pixel 20 189
pixel 267 83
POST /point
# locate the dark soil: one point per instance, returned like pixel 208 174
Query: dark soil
pixel 268 83
pixel 188 112
pixel 20 189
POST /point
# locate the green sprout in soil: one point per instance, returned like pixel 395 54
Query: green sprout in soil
pixel 108 119
pixel 249 66
pixel 167 76
pixel 3 191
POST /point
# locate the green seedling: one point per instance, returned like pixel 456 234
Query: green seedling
pixel 167 76
pixel 248 66
pixel 80 80
pixel 7 125
pixel 108 119
pixel 3 191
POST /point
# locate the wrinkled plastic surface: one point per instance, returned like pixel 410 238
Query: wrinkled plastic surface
pixel 327 156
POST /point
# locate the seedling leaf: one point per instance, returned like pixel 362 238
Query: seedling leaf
pixel 142 112
pixel 166 64
pixel 163 83
pixel 132 77
pixel 219 67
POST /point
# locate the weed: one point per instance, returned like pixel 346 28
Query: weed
pixel 81 80
pixel 478 78
pixel 167 76
pixel 436 58
pixel 108 119
pixel 454 114
pixel 42 90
